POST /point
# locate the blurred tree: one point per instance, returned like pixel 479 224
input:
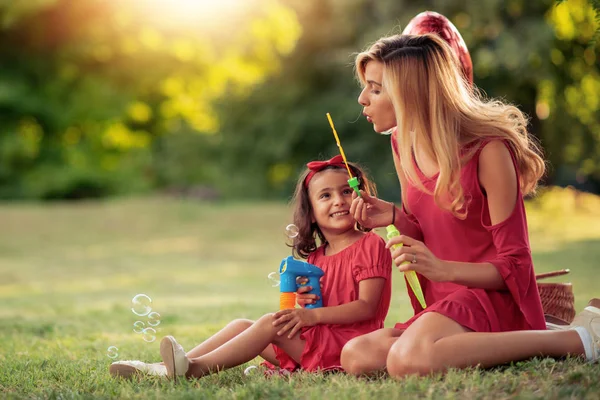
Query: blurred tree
pixel 89 89
pixel 100 97
pixel 538 55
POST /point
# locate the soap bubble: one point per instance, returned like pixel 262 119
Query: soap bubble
pixel 273 277
pixel 149 335
pixel 138 326
pixel 292 231
pixel 112 352
pixel 154 318
pixel 251 370
pixel 141 304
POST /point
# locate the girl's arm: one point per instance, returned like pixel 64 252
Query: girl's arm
pixel 370 290
pixel 371 273
pixel 365 308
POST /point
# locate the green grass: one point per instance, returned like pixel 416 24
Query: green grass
pixel 68 273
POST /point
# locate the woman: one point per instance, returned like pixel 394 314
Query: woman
pixel 464 164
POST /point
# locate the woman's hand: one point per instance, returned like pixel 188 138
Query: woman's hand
pixel 302 297
pixel 418 258
pixel 294 319
pixel 370 211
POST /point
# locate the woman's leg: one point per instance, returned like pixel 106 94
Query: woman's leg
pixel 230 331
pixel 435 343
pixel 245 347
pixel 367 354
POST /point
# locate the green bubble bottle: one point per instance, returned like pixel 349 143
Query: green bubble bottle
pixel 411 276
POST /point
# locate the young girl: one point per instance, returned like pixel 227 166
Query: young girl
pixel 356 287
pixel 464 165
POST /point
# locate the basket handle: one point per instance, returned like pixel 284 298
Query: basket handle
pixel 552 274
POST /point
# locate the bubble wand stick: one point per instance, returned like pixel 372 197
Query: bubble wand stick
pixel 353 181
pixel 411 276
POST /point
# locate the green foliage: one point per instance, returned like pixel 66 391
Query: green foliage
pixel 520 53
pixel 106 97
pixel 89 88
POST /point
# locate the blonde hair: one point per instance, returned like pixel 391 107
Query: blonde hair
pixel 439 112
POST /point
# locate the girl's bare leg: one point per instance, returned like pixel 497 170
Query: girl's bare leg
pixel 230 331
pixel 435 343
pixel 245 347
pixel 367 354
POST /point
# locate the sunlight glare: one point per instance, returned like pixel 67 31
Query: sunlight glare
pixel 195 9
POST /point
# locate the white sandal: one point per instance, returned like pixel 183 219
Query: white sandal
pixel 126 369
pixel 173 355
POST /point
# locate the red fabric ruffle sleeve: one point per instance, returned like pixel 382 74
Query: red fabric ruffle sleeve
pixel 513 257
pixel 475 240
pixel 374 261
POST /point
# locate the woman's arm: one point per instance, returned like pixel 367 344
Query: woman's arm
pixel 476 275
pixel 498 179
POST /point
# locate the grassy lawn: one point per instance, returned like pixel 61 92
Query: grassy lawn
pixel 68 273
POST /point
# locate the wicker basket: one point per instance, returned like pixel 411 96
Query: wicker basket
pixel 557 298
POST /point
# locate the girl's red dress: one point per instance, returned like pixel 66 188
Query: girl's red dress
pixel 474 240
pixel 366 258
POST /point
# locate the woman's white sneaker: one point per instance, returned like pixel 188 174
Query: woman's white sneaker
pixel 587 324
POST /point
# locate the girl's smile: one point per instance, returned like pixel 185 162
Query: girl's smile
pixel 331 197
pixel 340 213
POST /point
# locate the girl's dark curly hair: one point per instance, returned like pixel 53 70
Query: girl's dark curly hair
pixel 308 232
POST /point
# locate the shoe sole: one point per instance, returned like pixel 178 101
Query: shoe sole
pixel 168 356
pixel 123 371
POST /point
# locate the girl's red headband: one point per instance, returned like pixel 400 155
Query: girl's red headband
pixel 317 166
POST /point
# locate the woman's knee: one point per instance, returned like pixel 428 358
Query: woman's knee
pixel 414 353
pixel 410 358
pixel 352 355
pixel 366 354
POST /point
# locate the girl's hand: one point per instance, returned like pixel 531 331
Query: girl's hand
pixel 302 297
pixel 419 258
pixel 294 320
pixel 370 211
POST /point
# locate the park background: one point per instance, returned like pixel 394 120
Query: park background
pixel 151 146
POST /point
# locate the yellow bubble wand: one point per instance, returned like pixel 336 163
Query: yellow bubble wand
pixel 411 276
pixel 353 181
